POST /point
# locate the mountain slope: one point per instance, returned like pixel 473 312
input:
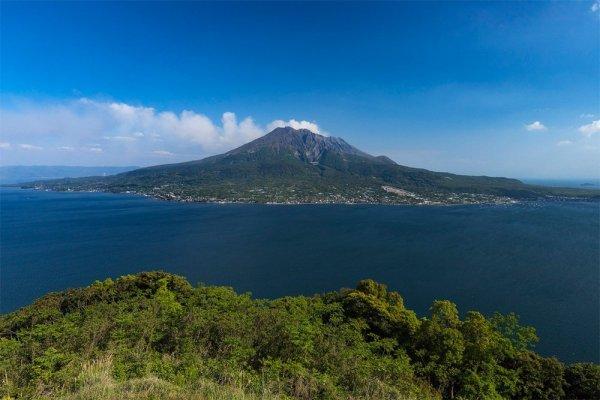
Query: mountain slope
pixel 294 166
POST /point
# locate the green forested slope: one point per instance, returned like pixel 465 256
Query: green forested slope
pixel 152 335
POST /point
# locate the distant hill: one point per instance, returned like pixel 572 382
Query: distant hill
pixel 29 173
pixel 590 183
pixel 299 166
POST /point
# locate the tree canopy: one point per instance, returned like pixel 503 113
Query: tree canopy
pixel 153 335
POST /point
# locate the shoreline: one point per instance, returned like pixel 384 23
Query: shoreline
pixel 507 202
pixel 270 203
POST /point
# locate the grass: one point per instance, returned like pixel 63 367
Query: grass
pixel 97 382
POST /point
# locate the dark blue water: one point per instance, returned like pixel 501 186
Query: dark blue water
pixel 539 260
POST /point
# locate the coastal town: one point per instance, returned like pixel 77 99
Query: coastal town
pixel 264 195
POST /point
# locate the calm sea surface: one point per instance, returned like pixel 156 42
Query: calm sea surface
pixel 540 260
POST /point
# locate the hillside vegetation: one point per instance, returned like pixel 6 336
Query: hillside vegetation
pixel 153 335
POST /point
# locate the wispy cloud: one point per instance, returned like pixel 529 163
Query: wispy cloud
pixel 536 126
pixel 589 129
pixel 27 146
pixel 4 145
pixel 595 7
pixel 121 138
pixel 163 153
pixel 564 143
pixel 65 148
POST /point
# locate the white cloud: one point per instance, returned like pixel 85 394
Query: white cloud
pixel 595 7
pixel 536 126
pixel 311 126
pixel 233 132
pixel 591 128
pixel 27 146
pixel 4 145
pixel 586 115
pixel 128 132
pixel 73 121
pixel 121 138
pixel 65 148
pixel 564 143
pixel 163 153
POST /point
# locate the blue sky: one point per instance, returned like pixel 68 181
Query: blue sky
pixel 507 88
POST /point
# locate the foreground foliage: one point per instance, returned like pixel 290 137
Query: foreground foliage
pixel 152 335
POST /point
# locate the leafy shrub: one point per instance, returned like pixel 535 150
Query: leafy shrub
pixel 152 335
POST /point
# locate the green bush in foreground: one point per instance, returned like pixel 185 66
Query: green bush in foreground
pixel 153 336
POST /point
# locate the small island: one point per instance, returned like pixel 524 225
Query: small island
pixel 298 166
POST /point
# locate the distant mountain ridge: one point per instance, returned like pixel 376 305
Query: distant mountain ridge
pixel 29 173
pixel 298 166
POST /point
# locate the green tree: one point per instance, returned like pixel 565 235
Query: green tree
pixel 382 310
pixel 439 348
pixel 483 376
pixel 582 381
pixel 539 378
pixel 521 337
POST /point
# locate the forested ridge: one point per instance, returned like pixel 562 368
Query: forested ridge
pixel 153 335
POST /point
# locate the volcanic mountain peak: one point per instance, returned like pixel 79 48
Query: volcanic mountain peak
pixel 302 143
